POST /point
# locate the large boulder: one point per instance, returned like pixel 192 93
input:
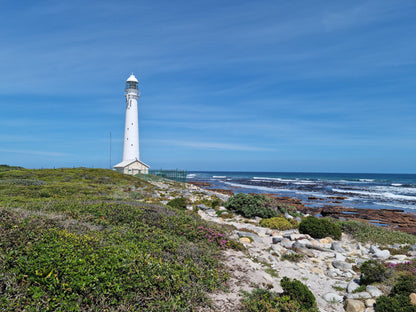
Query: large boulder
pixel 351 305
pixel 332 297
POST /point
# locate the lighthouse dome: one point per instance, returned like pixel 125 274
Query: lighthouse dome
pixel 132 78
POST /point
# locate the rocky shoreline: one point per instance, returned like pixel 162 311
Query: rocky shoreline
pixel 393 218
pixel 326 266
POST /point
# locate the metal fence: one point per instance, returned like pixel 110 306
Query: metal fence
pixel 175 175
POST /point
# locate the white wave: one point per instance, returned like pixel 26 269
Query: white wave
pixel 396 184
pixel 219 177
pixel 397 205
pixel 396 189
pixel 274 179
pixel 255 187
pixel 191 176
pixel 304 183
pixel 366 180
pixel 377 195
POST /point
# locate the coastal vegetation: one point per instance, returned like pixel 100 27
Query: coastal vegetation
pixel 76 239
pixel 296 297
pixel 279 223
pixel 320 228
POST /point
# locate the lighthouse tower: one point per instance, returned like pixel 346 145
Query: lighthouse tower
pixel 131 128
pixel 131 163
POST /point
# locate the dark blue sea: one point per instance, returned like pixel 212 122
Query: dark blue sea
pixel 359 190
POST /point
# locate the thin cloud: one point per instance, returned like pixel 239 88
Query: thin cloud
pixel 31 152
pixel 214 145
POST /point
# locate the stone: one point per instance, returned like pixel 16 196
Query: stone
pixel 374 291
pixel 255 237
pixel 211 212
pixel 332 273
pixel 360 295
pixel 337 247
pixel 222 208
pixel 332 297
pixel 244 240
pixel 276 239
pixel 369 303
pixel 373 249
pixel 351 305
pixel 299 220
pixel 298 244
pixel 288 216
pixel 202 207
pixel 317 271
pixel 342 265
pixel 295 236
pixel 399 257
pixel 352 285
pixel 413 298
pixel 305 252
pixel 286 243
pixel 412 247
pixel 339 257
pixel 382 254
pixel 326 240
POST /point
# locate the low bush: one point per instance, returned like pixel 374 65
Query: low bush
pixel 319 228
pixel 398 299
pixel 365 232
pixel 179 203
pixel 299 292
pixel 372 272
pixel 279 223
pixel 404 286
pixel 262 300
pixel 251 206
pixel 394 304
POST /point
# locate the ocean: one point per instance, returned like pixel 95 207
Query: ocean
pixel 353 190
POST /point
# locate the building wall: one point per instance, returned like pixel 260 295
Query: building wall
pixel 134 168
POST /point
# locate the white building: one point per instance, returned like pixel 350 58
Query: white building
pixel 131 163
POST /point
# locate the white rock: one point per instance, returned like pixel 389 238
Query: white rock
pixel 352 285
pixel 374 291
pixel 286 243
pixel 339 257
pixel 360 295
pixel 382 254
pixel 332 297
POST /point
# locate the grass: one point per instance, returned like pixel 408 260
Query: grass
pixel 365 232
pixel 78 240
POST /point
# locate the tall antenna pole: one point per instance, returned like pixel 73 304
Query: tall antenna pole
pixel 110 149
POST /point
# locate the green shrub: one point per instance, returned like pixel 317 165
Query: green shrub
pixel 404 286
pixel 216 203
pixel 179 203
pixel 251 206
pixel 261 300
pixel 278 223
pixel 372 272
pixel 399 303
pixel 299 292
pixel 319 228
pixel 398 299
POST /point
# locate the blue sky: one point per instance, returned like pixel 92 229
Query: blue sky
pixel 225 85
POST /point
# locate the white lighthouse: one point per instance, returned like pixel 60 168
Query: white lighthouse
pixel 131 163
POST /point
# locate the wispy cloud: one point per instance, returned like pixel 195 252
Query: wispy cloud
pixel 32 152
pixel 213 145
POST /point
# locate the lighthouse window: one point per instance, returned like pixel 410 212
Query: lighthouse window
pixel 132 145
pixel 132 124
